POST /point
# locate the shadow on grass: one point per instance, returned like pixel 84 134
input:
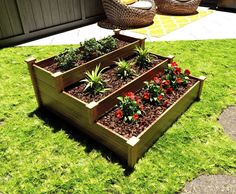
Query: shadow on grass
pixel 90 144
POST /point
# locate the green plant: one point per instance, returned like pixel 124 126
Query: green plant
pixel 108 44
pixel 67 59
pixel 95 84
pixel 154 92
pixel 91 49
pixel 130 108
pixel 143 59
pixel 124 69
pixel 175 77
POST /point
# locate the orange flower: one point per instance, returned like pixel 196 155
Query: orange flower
pixel 119 114
pixel 135 117
pixel 187 72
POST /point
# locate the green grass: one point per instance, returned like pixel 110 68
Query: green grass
pixel 39 154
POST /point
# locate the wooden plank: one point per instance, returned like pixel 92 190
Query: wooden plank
pixel 5 21
pixel 28 10
pixel 13 16
pixel 45 76
pixel 23 15
pixel 93 8
pixel 70 10
pixel 46 13
pixel 38 15
pixel 153 132
pixel 62 11
pixel 77 9
pixel 54 10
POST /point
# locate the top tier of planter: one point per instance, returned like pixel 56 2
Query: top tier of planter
pixel 61 79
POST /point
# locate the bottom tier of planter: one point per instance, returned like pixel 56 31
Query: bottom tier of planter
pixel 129 148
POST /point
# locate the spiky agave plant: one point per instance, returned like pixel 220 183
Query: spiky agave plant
pixel 95 83
pixel 143 59
pixel 124 69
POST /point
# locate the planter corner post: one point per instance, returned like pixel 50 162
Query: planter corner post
pixel 132 151
pixel 170 58
pixel 202 79
pixel 31 62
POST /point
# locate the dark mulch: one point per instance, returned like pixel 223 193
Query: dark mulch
pixel 228 120
pixel 152 112
pixel 113 82
pixel 209 184
pixel 54 67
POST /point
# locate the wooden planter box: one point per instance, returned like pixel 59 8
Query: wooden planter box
pixel 48 96
pixel 83 116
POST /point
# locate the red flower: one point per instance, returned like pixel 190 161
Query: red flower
pixel 177 71
pixel 167 82
pixel 179 80
pixel 157 80
pixel 187 72
pixel 174 64
pixel 119 114
pixel 131 95
pixel 160 97
pixel 169 90
pixel 166 102
pixel 146 96
pixel 135 117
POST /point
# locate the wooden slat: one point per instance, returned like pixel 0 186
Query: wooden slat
pixel 38 15
pixel 45 76
pixel 54 9
pixel 93 8
pixel 46 12
pixel 77 9
pixel 62 11
pixel 27 8
pixel 74 104
pixel 5 21
pixel 13 17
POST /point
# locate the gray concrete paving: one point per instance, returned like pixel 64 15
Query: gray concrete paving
pixel 211 184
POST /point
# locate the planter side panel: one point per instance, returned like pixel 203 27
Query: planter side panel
pixel 166 120
pixel 100 134
pixel 76 106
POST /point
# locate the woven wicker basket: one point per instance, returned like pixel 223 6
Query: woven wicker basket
pixel 123 15
pixel 175 7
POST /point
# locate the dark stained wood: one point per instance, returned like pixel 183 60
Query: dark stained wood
pixel 5 21
pixel 93 7
pixel 54 12
pixel 46 12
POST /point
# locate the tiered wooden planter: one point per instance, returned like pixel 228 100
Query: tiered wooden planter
pixel 49 90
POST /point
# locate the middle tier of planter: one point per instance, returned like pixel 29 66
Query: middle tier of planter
pixel 90 111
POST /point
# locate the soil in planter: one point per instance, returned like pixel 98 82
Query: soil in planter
pixel 113 82
pixel 152 112
pixel 54 67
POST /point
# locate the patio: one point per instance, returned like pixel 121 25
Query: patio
pixel 40 153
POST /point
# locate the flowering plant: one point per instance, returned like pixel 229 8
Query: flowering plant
pixel 154 92
pixel 130 108
pixel 174 77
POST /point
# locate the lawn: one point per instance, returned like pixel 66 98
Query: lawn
pixel 40 153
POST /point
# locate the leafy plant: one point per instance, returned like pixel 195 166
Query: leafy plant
pixel 124 69
pixel 154 92
pixel 175 77
pixel 130 108
pixel 91 49
pixel 108 44
pixel 95 84
pixel 67 59
pixel 143 59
